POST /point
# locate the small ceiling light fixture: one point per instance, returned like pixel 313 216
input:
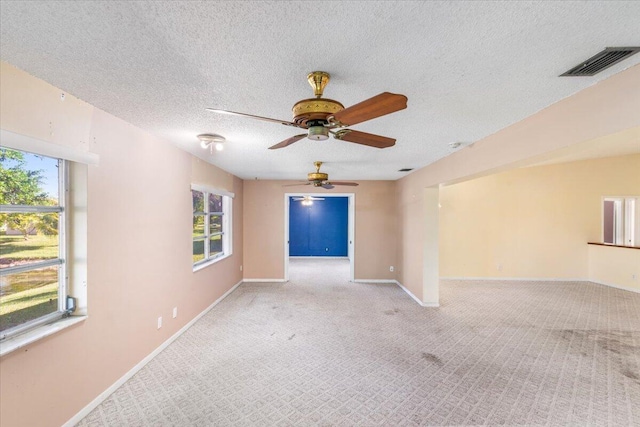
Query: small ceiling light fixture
pixel 307 202
pixel 211 140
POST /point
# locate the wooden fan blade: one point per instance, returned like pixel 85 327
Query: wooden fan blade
pixel 379 105
pixel 295 185
pixel 251 116
pixel 288 141
pixel 351 184
pixel 364 138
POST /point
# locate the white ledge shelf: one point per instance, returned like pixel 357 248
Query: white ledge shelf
pixel 19 341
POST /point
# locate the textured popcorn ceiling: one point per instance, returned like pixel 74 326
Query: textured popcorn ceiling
pixel 469 69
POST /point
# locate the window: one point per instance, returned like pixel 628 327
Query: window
pixel 43 238
pixel 620 221
pixel 32 241
pixel 211 231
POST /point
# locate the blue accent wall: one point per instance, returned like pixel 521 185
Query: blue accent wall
pixel 320 229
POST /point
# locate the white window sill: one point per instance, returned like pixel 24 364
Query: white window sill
pixel 210 262
pixel 23 340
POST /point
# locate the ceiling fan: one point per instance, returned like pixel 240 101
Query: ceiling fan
pixel 307 198
pixel 321 116
pixel 321 179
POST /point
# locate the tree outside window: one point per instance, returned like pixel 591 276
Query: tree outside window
pixel 31 265
pixel 211 225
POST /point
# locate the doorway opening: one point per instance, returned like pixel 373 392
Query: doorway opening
pixel 328 244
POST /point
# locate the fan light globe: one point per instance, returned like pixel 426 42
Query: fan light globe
pixel 318 133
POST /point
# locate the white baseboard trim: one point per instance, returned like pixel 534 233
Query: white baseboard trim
pixel 431 304
pixel 395 282
pixel 375 281
pixel 518 279
pixel 113 387
pixel 545 279
pixel 611 285
pixel 416 299
pixel 264 280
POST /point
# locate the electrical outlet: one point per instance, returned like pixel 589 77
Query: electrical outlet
pixel 634 276
pixel 391 269
pixel 499 267
pixel 175 312
pixel 240 268
pixel 159 322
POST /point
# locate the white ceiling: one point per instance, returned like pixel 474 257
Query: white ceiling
pixel 469 69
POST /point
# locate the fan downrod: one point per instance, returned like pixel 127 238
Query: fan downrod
pixel 318 81
pixel 317 108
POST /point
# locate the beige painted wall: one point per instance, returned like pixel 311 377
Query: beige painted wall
pixel 411 234
pixel 375 228
pixel 431 250
pixel 603 109
pixel 139 254
pixel 530 222
pixel 615 266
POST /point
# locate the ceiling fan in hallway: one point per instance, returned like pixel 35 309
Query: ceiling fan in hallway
pixel 321 179
pixel 307 200
pixel 322 116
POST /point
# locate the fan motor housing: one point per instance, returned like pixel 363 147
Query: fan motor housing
pixel 317 177
pixel 315 109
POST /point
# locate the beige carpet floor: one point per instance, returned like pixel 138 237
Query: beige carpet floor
pixel 320 350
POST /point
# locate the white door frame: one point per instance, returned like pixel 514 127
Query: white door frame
pixel 350 233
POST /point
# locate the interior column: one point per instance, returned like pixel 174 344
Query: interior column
pixel 430 255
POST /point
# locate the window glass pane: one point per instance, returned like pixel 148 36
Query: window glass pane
pixel 28 179
pixel 215 203
pixel 208 225
pixel 198 201
pixel 609 221
pixel 198 250
pixel 215 245
pixel 215 224
pixel 630 222
pixel 27 296
pixel 29 238
pixel 198 225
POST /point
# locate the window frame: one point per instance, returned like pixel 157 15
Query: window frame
pixel 78 163
pixel 60 262
pixel 625 221
pixel 227 225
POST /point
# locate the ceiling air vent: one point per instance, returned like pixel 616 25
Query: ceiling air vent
pixel 601 61
pixel 405 170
